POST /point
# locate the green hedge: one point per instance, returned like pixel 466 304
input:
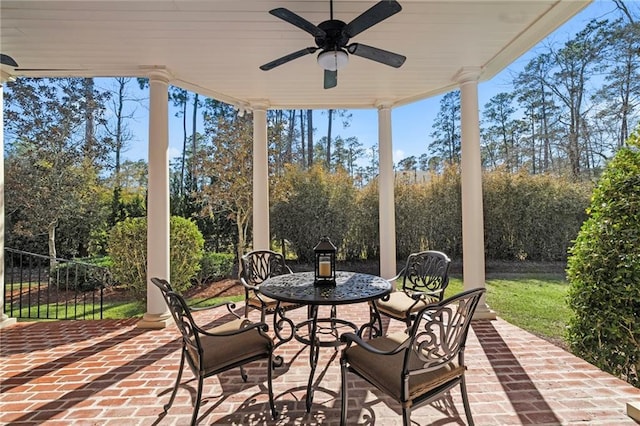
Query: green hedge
pixel 527 217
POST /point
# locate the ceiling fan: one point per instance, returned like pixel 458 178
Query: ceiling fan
pixel 7 60
pixel 332 38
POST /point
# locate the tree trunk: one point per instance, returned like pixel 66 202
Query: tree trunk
pixel 89 131
pixel 329 139
pixel 310 136
pixel 302 140
pixel 51 231
pixel 194 141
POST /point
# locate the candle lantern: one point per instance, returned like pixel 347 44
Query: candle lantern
pixel 325 262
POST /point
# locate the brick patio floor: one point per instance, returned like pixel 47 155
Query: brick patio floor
pixel 113 373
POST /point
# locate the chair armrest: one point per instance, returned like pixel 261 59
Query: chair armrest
pixel 418 295
pixel 248 286
pixel 350 338
pixel 229 305
pixel 396 278
pixel 260 327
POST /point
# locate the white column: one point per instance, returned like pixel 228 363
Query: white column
pixel 4 319
pixel 472 213
pixel 386 178
pixel 158 213
pixel 261 230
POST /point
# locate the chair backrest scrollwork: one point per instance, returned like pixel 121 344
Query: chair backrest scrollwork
pixel 259 265
pixel 440 331
pixel 426 271
pixel 184 321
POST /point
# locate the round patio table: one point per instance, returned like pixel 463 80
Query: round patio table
pixel 350 287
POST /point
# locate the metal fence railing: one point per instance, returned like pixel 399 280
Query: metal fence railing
pixel 42 287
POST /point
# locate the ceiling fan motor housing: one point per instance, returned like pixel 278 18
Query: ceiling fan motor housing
pixel 335 37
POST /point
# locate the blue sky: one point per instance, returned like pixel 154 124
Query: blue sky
pixel 411 124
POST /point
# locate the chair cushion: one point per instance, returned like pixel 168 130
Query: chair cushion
pixel 270 304
pixel 221 352
pixel 385 371
pixel 399 304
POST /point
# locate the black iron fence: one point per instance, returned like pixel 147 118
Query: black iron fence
pixel 42 287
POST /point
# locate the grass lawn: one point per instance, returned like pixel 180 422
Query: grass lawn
pixel 535 304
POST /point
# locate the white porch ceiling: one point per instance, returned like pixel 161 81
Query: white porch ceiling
pixel 214 47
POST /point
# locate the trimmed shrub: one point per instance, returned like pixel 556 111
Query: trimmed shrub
pixel 128 251
pixel 604 271
pixel 215 266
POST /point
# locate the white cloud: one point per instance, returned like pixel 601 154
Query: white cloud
pixel 398 155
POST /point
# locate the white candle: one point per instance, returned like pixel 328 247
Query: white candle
pixel 324 268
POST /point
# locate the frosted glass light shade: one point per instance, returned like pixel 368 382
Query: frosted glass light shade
pixel 333 60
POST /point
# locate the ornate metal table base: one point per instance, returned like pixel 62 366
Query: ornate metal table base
pixel 321 332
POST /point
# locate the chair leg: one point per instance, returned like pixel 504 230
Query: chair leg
pixel 243 374
pixel 374 313
pixel 406 416
pixel 345 396
pixel 465 401
pixel 196 408
pixel 274 413
pixel 175 387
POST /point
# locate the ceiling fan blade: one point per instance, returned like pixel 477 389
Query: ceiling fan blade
pixel 49 69
pixel 377 13
pixel 378 55
pixel 298 21
pixel 7 60
pixel 287 58
pixel 330 79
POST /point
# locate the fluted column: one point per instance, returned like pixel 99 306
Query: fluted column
pixel 386 178
pixel 472 211
pixel 261 230
pixel 4 319
pixel 158 213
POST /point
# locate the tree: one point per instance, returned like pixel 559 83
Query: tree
pixel 47 180
pixel 446 129
pixel 501 137
pixel 225 163
pixel 409 163
pixel 346 117
pixel 542 114
pixel 118 137
pixel 574 63
pixel 621 92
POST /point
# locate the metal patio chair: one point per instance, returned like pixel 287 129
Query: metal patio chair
pixel 418 367
pixel 424 279
pixel 256 267
pixel 218 349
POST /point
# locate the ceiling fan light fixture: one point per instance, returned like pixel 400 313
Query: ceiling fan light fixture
pixel 333 60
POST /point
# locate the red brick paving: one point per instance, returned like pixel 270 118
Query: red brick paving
pixel 112 373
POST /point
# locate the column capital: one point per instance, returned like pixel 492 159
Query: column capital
pixel 380 105
pixel 159 73
pixel 468 75
pixel 259 105
pixel 5 76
